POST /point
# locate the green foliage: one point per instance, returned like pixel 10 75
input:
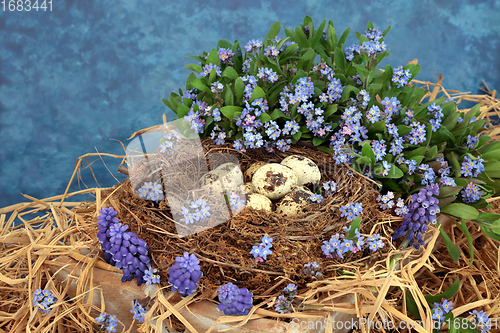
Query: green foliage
pixel 432 134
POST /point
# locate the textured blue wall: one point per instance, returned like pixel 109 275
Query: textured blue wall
pixel 88 71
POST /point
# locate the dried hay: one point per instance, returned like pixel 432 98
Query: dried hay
pixel 66 228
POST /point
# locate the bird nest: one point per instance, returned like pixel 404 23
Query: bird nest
pixel 224 249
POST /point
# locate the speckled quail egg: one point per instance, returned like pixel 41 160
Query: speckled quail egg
pixel 293 203
pixel 210 183
pixel 248 189
pixel 252 168
pixel 223 180
pixel 274 180
pixel 230 175
pixel 307 171
pixel 259 202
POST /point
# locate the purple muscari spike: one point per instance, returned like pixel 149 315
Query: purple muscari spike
pixel 234 300
pixel 423 208
pixel 122 248
pixel 184 274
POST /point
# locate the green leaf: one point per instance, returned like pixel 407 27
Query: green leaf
pixel 166 102
pixel 493 169
pixel 354 226
pixel 360 68
pixel 453 250
pixel 386 31
pixel 230 73
pixel 461 210
pixel 339 59
pixel 296 136
pixel 403 130
pixel 301 37
pixel 347 92
pixel 230 110
pixel 277 113
pixel 182 111
pixel 374 86
pixel 411 305
pixel 467 234
pixel 317 141
pixel 343 37
pixel 290 49
pixel 198 84
pixel 213 58
pixel 309 54
pixel 330 109
pixel 224 43
pixel 368 152
pixel 451 121
pixel 489 233
pixel 431 153
pixel 229 96
pixel 265 117
pixel 318 34
pixel 274 31
pixel 452 158
pixel 483 139
pixel 239 86
pixel 494 145
pixel 331 38
pixel 193 67
pixel 447 294
pixel 212 76
pixel 257 93
pixel 394 172
pixel 448 191
pixel 376 127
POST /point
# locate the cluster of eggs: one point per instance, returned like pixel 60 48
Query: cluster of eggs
pixel 285 184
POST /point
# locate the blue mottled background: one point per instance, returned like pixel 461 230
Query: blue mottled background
pixel 88 71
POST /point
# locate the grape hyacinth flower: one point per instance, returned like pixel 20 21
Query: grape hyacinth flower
pixel 108 321
pixel 184 274
pixel 151 276
pixel 122 248
pixel 234 301
pixel 43 300
pixel 312 269
pixel 263 249
pixel 138 312
pixel 423 208
pixel 471 193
